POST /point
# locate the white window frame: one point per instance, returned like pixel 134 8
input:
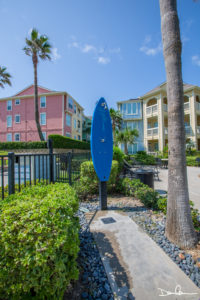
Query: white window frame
pixel 9 101
pixel 131 113
pixel 44 135
pixel 43 97
pixel 7 120
pixel 19 119
pixel 7 135
pixel 15 136
pixel 67 115
pixel 16 101
pixel 41 119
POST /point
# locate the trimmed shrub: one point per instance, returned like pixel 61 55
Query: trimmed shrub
pixel 39 242
pixel 130 186
pixel 118 155
pixel 147 196
pixel 22 145
pixel 60 141
pixel 144 158
pixel 89 182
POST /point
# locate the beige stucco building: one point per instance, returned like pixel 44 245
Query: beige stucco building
pixel 155 116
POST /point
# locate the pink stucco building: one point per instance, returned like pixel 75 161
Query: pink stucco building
pixel 57 112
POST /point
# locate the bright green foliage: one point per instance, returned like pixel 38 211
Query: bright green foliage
pixel 162 205
pixel 118 155
pixel 89 183
pixel 38 242
pixel 135 188
pixel 60 141
pixel 22 145
pixel 144 158
pixel 191 160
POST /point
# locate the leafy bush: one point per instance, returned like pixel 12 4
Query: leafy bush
pixel 162 205
pixel 22 145
pixel 130 186
pixel 38 242
pixel 147 196
pixel 191 160
pixel 89 182
pixel 60 141
pixel 118 155
pixel 144 158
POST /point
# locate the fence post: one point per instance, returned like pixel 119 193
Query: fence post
pixel 50 146
pixel 69 159
pixel 11 173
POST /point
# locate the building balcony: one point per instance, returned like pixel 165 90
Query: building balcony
pixel 152 132
pixel 165 107
pixel 188 130
pixel 198 130
pixel 166 130
pixel 186 105
pixel 152 110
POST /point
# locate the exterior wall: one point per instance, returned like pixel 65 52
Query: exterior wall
pixel 133 121
pixel 76 133
pixel 30 91
pixel 27 127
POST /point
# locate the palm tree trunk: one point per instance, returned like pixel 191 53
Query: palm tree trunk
pixel 179 226
pixel 36 99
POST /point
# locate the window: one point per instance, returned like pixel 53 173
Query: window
pixel 79 137
pixel 43 119
pixel 44 135
pixel 79 124
pixel 68 134
pixel 129 108
pixel 75 137
pixel 9 137
pixel 9 121
pixel 17 119
pixel 74 123
pixel 43 101
pixel 17 101
pixel 132 148
pixel 70 103
pixel 68 120
pixel 79 112
pixel 75 108
pixel 17 137
pixel 134 108
pixel 9 105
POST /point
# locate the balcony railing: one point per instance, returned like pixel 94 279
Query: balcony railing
pixel 152 131
pixel 186 105
pixel 197 106
pixel 188 130
pixel 152 109
pixel 198 129
pixel 166 130
pixel 165 107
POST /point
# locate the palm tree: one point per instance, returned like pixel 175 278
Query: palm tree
pixel 4 77
pixel 37 47
pixel 117 119
pixel 126 137
pixel 179 226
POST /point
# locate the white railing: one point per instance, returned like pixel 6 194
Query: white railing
pixel 186 105
pixel 197 106
pixel 152 131
pixel 166 130
pixel 152 109
pixel 198 129
pixel 165 107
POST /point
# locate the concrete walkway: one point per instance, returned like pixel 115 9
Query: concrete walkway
pixel 193 183
pixel 136 267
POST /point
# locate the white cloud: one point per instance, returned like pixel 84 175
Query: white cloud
pixel 196 60
pixel 151 51
pixel 103 60
pixel 55 54
pixel 88 48
pixel 147 39
pixel 74 45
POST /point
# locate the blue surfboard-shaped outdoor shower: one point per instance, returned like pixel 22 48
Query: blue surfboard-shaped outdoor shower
pixel 102 147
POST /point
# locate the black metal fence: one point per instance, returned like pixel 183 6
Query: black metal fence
pixel 21 170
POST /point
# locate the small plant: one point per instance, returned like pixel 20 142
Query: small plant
pixel 147 196
pixel 162 205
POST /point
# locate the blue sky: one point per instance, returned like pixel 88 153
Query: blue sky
pixel 109 48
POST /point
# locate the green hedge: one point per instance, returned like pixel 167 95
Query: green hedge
pixel 144 158
pixel 22 145
pixel 89 183
pixel 60 141
pixel 39 242
pixel 191 160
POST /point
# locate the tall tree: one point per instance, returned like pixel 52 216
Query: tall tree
pixel 179 226
pixel 117 119
pixel 4 77
pixel 37 47
pixel 126 137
